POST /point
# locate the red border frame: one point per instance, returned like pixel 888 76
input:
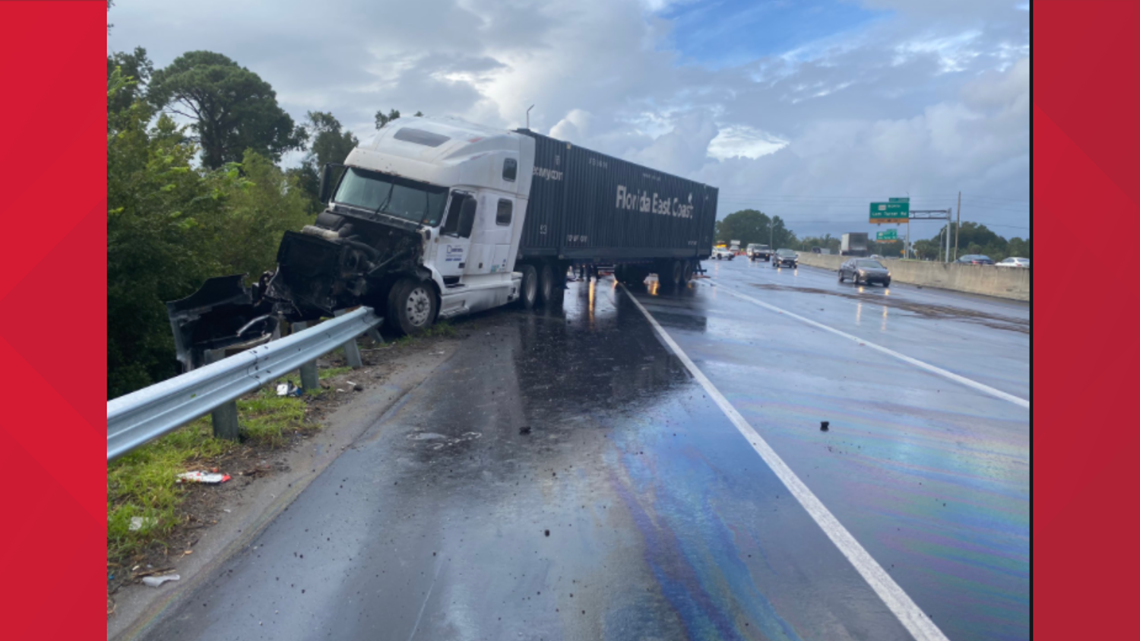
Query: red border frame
pixel 1086 93
pixel 53 318
pixel 1086 101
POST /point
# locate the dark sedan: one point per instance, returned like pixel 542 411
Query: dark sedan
pixel 865 271
pixel 785 257
pixel 975 259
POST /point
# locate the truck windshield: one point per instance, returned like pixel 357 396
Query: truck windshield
pixel 408 199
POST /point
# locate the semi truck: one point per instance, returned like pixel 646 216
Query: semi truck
pixel 439 217
pixel 853 244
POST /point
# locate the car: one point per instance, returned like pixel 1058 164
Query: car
pixel 785 257
pixel 1013 261
pixel 975 259
pixel 877 257
pixel 723 253
pixel 756 251
pixel 865 271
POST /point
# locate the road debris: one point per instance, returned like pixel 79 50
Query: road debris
pixel 525 429
pixel 155 581
pixel 203 477
pixel 140 522
pixel 288 389
pixel 823 425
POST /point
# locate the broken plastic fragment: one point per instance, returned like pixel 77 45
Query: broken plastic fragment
pixel 202 477
pixel 155 581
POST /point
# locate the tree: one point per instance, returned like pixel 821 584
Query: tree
pixel 171 225
pixel 928 249
pixel 382 119
pixel 1020 248
pixel 827 241
pixel 746 225
pixel 133 66
pixel 232 108
pixel 256 212
pixel 329 144
pixel 752 226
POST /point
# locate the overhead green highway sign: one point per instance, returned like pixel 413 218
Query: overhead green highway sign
pixel 890 212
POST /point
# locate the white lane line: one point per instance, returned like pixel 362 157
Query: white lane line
pixel 1016 400
pixel 918 624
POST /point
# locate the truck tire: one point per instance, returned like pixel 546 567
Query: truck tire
pixel 687 272
pixel 633 275
pixel 528 291
pixel 412 306
pixel 545 284
pixel 552 284
pixel 669 275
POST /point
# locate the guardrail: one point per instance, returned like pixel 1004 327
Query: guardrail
pixel 153 411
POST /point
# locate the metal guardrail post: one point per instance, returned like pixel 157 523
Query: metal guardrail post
pixel 351 350
pixel 225 416
pixel 309 378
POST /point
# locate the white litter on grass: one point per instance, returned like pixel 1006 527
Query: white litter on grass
pixel 202 477
pixel 155 581
pixel 140 522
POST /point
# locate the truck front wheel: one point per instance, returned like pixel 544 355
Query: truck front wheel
pixel 412 306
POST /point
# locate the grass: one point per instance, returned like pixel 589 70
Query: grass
pixel 144 484
pixel 442 329
pixel 330 372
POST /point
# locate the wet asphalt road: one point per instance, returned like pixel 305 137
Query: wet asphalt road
pixel 634 509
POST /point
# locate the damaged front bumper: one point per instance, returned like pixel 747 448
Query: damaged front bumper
pixel 223 314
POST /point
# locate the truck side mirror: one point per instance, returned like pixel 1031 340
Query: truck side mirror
pixel 326 180
pixel 467 218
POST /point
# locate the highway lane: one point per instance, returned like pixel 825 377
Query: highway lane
pixel 952 329
pixel 932 477
pixel 632 507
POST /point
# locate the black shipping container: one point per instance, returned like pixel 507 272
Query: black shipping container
pixel 589 206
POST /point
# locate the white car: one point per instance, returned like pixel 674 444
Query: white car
pixel 1014 262
pixel 722 253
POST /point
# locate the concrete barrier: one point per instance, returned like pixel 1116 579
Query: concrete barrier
pixel 1002 282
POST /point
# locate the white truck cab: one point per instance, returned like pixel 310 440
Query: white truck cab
pixel 460 188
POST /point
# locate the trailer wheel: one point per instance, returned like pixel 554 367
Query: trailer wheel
pixel 528 294
pixel 550 288
pixel 687 272
pixel 412 306
pixel 669 275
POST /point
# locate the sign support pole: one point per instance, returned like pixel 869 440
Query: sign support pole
pixel 947 257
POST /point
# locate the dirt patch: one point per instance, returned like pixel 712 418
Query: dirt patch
pixel 936 312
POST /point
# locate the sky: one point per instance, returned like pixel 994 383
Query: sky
pixel 806 109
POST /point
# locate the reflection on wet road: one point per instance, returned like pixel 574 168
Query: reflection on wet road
pixel 632 508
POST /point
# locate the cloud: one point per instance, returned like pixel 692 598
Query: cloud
pixel 928 98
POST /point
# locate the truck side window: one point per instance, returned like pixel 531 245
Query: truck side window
pixel 467 217
pixel 451 225
pixel 503 216
pixel 510 169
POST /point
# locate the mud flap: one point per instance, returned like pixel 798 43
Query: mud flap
pixel 223 313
